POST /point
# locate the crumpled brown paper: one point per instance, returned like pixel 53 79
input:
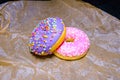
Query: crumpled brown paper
pixel 16 63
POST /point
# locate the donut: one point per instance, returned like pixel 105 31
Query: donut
pixel 75 45
pixel 47 36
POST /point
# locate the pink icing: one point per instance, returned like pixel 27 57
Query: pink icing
pixel 78 46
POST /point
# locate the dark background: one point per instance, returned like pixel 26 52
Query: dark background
pixel 110 6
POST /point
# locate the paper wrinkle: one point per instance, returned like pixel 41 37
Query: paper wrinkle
pixel 16 63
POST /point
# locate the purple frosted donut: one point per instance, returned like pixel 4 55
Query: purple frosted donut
pixel 47 36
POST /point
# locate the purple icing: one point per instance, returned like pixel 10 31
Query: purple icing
pixel 45 35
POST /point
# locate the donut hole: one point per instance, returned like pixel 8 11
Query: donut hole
pixel 70 40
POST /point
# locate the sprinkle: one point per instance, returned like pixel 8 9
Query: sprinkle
pixel 33 34
pixel 32 43
pixel 44 49
pixel 33 50
pixel 45 41
pixel 36 38
pixel 36 29
pixel 44 46
pixel 37 47
pixel 44 21
pixel 51 31
pixel 36 52
pixel 54 27
pixel 50 48
pixel 41 45
pixel 29 45
pixel 49 25
pixel 42 27
pixel 45 36
pixel 42 52
pixel 54 31
pixel 47 28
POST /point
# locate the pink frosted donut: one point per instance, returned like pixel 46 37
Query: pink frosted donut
pixel 75 46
